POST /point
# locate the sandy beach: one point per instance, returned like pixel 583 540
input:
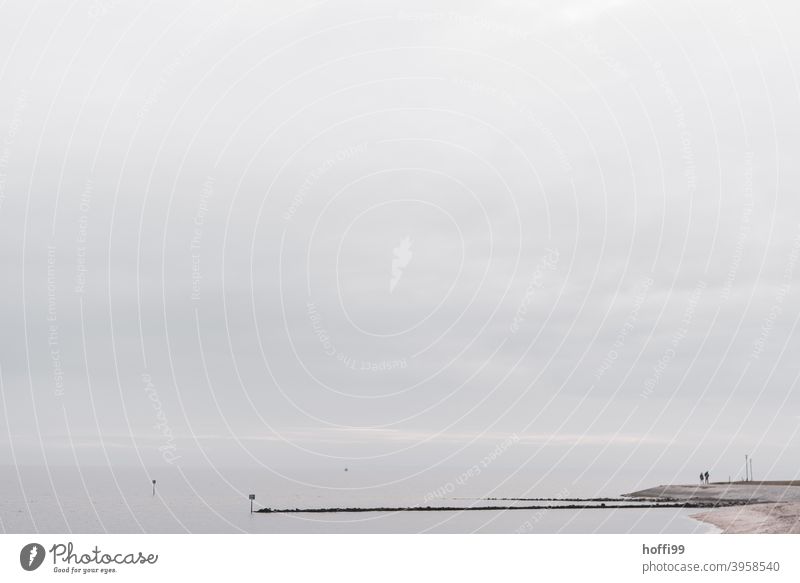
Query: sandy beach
pixel 767 507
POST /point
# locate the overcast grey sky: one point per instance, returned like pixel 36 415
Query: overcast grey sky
pixel 309 233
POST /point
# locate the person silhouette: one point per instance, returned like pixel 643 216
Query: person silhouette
pixel 701 477
pixel 706 477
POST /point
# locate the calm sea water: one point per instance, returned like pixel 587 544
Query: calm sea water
pixel 215 501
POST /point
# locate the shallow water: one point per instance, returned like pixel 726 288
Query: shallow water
pixel 510 521
pixel 211 501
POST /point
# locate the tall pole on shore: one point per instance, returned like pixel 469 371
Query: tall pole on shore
pixel 751 468
pixel 746 471
pixel 252 497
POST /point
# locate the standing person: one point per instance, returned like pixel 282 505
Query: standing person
pixel 706 477
pixel 701 478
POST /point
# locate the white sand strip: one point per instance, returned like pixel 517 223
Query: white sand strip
pixel 770 518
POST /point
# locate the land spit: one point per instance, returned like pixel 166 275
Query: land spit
pixel 768 506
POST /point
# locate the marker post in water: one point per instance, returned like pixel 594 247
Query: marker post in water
pixel 154 488
pixel 252 497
